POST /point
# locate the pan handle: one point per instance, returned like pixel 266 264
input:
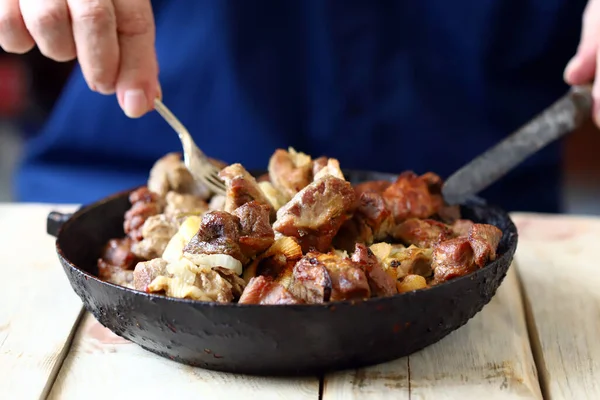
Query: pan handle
pixel 55 221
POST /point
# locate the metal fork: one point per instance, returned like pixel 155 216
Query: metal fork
pixel 195 160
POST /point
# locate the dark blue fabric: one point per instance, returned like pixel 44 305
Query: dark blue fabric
pixel 382 85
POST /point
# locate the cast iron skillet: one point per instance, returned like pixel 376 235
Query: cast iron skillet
pixel 273 340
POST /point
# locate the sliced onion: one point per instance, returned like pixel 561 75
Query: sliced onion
pixel 216 260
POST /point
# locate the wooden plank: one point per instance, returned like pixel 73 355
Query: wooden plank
pixel 489 358
pixel 38 308
pixel 560 271
pixel 101 365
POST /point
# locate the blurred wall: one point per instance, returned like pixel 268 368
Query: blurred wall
pixel 582 171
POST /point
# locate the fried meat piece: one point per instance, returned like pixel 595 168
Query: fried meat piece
pixel 237 284
pixel 219 233
pixel 156 233
pixel 319 278
pixel 256 233
pixel 462 227
pixel 374 211
pixel 484 240
pixel 422 232
pixel 449 214
pixel 413 196
pixel 144 204
pixel 327 166
pixel 241 235
pixel 290 171
pixel 452 258
pixel 118 252
pixel 145 272
pixel 380 282
pixel 318 164
pixel 117 261
pixel 372 187
pixel 242 188
pixel 181 203
pixel 353 231
pixel 463 255
pixel 263 290
pixel 371 222
pixel 170 174
pixel 317 212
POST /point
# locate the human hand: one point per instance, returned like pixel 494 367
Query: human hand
pixel 113 41
pixel 581 69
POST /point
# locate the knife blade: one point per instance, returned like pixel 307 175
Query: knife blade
pixel 565 115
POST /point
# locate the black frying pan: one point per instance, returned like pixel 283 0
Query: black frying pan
pixel 277 339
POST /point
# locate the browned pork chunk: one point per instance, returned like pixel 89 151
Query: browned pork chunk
pixel 380 282
pixel 145 272
pixel 117 261
pixel 484 240
pixel 317 212
pixel 326 166
pixel 372 186
pixel 237 284
pixel 462 227
pixel 319 278
pixel 460 256
pixel 242 188
pixel 422 232
pixel 263 290
pixel 118 252
pixel 144 204
pixel 156 233
pixel 374 211
pixel 355 230
pixel 169 174
pixel 290 171
pixel 452 258
pixel 181 203
pixel 241 235
pixel 372 221
pixel 256 233
pixel 219 233
pixel 410 197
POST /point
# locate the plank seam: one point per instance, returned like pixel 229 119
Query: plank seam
pixel 63 355
pixel 534 337
pixel 409 385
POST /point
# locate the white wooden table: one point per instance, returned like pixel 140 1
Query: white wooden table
pixel 538 338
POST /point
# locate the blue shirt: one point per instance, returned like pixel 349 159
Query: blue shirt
pixel 380 85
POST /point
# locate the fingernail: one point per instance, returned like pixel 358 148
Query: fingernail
pixel 135 103
pixel 571 66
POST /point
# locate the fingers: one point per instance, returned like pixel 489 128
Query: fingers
pixel 49 24
pixel 582 67
pixel 14 37
pixel 95 35
pixel 137 82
